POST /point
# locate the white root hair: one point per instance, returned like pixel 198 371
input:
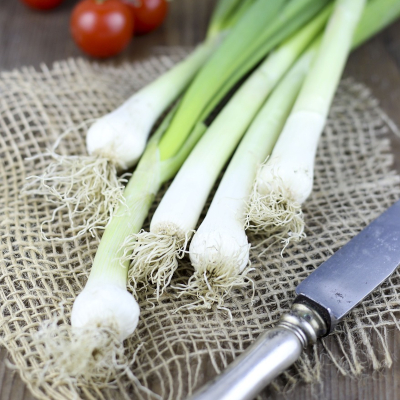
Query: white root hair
pixel 153 258
pixel 86 188
pixel 275 212
pixel 213 280
pixel 74 357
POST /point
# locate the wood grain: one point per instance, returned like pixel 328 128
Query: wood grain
pixel 31 38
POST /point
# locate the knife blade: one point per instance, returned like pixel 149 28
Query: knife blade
pixel 323 299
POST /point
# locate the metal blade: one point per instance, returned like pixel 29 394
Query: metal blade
pixel 354 271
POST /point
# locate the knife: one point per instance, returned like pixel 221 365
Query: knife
pixel 323 299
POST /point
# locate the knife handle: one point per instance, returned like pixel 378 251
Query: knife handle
pixel 272 353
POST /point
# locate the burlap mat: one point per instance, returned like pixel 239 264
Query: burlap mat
pixel 354 183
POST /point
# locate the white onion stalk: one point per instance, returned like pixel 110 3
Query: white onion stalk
pixel 100 301
pixel 155 254
pixel 286 180
pixel 121 136
pixel 219 250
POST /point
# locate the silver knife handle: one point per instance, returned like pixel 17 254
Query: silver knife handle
pixel 272 353
pixel 276 350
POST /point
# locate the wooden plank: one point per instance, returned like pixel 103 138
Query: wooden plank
pixel 29 37
pixel 11 385
pixel 378 66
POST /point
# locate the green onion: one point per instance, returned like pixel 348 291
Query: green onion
pixel 285 181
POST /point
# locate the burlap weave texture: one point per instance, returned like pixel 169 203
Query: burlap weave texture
pixel 180 350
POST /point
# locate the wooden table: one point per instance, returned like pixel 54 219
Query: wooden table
pixel 30 38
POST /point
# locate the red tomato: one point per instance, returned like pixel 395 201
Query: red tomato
pixel 148 14
pixel 42 4
pixel 101 28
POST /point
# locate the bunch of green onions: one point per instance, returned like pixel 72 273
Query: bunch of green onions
pixel 171 145
pixel 279 111
pixel 155 254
